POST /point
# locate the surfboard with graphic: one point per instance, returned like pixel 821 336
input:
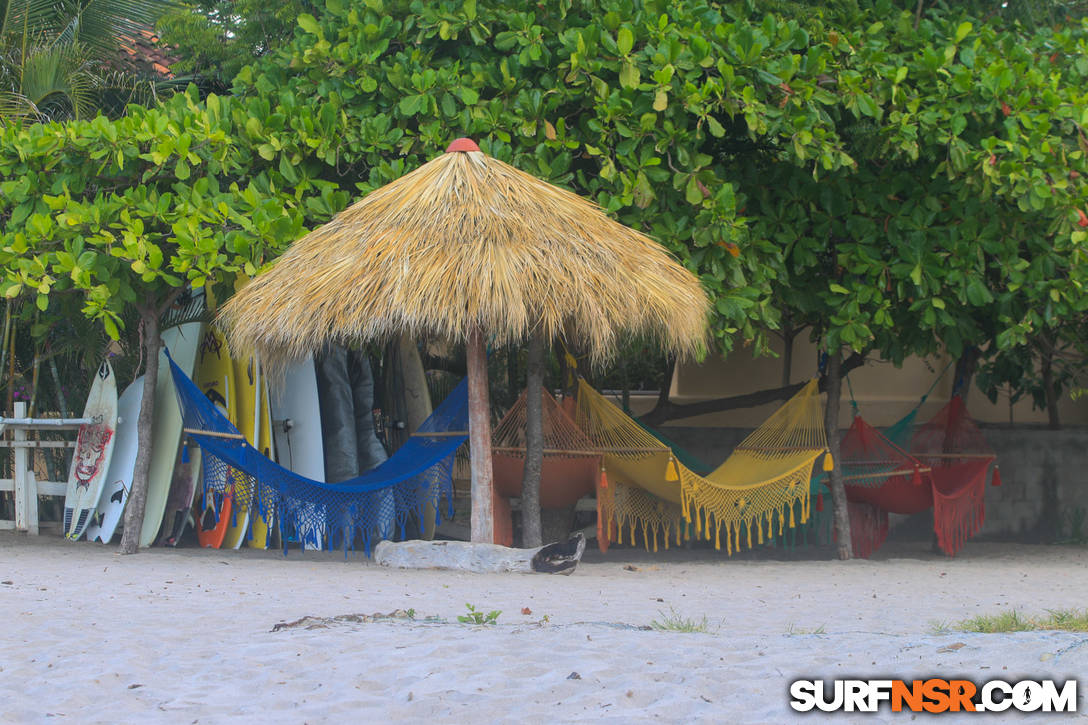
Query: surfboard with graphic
pixel 111 503
pixel 94 448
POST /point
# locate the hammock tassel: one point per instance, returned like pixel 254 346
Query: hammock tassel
pixel 671 474
pixel 820 501
pixel 604 479
pixel 916 479
pixel 829 462
pixel 996 479
pixel 602 525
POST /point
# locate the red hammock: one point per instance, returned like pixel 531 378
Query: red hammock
pixel 570 468
pixel 952 445
pixel 879 477
pixel 945 470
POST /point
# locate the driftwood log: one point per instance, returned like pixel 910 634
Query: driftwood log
pixel 558 558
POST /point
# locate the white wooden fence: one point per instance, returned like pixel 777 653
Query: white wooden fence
pixel 25 484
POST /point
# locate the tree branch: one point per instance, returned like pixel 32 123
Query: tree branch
pixel 666 411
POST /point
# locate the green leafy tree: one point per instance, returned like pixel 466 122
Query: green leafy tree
pixel 112 216
pixel 216 38
pixel 887 180
pixel 878 176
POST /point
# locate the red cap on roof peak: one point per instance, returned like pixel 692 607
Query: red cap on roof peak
pixel 462 144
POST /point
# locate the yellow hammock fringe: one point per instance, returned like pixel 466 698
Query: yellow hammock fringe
pixel 765 480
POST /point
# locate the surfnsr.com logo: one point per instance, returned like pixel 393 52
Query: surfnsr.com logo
pixel 933 695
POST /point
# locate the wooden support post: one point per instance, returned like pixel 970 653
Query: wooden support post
pixel 31 502
pixel 479 428
pixel 19 477
pixel 531 520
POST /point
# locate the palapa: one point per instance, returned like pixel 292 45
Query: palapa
pixel 468 248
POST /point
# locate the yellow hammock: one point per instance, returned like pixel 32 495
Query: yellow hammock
pixel 763 481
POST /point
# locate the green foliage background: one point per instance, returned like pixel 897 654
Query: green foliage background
pixel 889 182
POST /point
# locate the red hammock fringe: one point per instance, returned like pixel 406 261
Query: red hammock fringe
pixel 953 487
pixel 868 528
pixel 959 506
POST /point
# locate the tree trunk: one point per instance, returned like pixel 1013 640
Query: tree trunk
pixel 35 376
pixel 965 372
pixel 1049 390
pixel 11 369
pixel 665 410
pixel 4 351
pixel 137 497
pixel 479 427
pixel 62 401
pixel 511 376
pixel 531 535
pixel 787 354
pixel 663 407
pixel 831 427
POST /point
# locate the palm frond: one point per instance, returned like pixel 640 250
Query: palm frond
pixel 17 107
pixel 35 17
pixel 59 81
pixel 190 307
pixel 116 89
pixel 103 25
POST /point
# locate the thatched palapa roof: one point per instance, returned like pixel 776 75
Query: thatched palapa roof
pixel 467 239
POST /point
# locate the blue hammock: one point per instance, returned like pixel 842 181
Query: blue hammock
pixel 417 475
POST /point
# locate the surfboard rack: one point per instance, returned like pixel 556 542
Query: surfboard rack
pixel 58 423
pixel 213 433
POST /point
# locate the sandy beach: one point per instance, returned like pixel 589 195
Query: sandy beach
pixel 191 636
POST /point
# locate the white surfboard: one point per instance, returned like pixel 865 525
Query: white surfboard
pixel 296 423
pixel 183 342
pixel 94 449
pixel 111 503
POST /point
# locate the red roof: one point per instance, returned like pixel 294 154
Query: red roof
pixel 145 54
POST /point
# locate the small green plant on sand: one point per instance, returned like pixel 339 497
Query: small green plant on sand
pixel 476 616
pixel 793 629
pixel 1068 620
pixel 940 626
pixel 673 622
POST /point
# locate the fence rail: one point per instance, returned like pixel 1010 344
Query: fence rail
pixel 24 484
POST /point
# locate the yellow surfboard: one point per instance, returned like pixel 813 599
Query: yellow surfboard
pixel 215 377
pixel 245 400
pixel 261 527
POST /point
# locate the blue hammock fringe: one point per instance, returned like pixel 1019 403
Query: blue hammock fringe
pixel 419 474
